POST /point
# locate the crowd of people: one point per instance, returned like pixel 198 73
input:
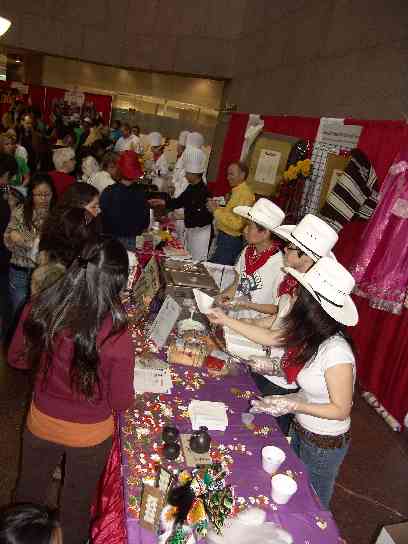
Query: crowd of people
pixel 73 200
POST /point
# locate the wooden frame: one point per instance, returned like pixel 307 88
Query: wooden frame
pixel 268 158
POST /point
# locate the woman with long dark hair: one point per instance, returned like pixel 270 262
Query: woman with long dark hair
pixel 75 337
pixel 315 330
pixel 22 236
pixel 81 195
pixel 64 235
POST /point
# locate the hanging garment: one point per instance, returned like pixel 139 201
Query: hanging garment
pixel 353 194
pixel 381 268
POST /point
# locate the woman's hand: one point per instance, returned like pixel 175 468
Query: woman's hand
pixel 217 316
pixel 277 405
pixel 265 365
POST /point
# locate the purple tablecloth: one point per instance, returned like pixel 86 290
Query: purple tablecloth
pixel 303 517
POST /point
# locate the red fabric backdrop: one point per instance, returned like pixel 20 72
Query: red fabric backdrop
pixel 102 103
pixel 381 338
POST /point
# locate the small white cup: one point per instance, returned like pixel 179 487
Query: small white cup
pixel 283 488
pixel 272 458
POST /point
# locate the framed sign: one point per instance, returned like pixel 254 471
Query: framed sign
pixel 335 166
pixel 164 479
pixel 165 321
pixel 267 162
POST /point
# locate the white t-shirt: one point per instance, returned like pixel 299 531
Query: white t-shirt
pixel 21 152
pixel 262 286
pixel 131 143
pixel 101 180
pixel 284 307
pixel 312 381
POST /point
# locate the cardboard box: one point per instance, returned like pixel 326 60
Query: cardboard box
pixel 393 534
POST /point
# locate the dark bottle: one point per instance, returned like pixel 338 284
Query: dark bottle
pixel 200 440
pixel 171 451
pixel 170 434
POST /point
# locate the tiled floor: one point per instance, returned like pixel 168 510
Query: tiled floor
pixel 372 488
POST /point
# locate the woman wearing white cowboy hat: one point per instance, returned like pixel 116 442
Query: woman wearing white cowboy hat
pixel 316 329
pixel 259 267
pixel 311 239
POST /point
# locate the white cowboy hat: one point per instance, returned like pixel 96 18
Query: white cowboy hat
pixel 311 235
pixel 330 284
pixel 263 212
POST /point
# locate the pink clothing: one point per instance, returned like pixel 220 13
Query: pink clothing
pixel 381 268
pixel 55 397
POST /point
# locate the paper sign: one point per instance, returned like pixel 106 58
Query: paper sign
pixel 165 321
pixel 335 132
pixel 267 167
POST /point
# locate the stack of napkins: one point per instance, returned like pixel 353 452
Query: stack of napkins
pixel 152 376
pixel 212 415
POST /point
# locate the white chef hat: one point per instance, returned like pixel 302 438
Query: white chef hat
pixel 183 137
pixel 194 160
pixel 195 139
pixel 155 139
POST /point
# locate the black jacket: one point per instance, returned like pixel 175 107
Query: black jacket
pixel 125 211
pixel 193 200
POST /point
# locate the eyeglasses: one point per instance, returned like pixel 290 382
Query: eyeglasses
pixel 42 195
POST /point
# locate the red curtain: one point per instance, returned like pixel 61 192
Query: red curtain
pixel 102 103
pixel 231 151
pixel 51 94
pixel 304 128
pixel 381 338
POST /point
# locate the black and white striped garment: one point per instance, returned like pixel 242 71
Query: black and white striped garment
pixel 354 194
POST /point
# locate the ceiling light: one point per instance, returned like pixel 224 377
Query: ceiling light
pixel 17 61
pixel 5 24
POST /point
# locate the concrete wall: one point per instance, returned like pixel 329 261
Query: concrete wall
pixel 323 57
pixel 192 37
pixel 309 57
pixel 58 72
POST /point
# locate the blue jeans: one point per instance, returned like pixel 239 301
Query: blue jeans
pixel 227 249
pixel 19 282
pixel 323 464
